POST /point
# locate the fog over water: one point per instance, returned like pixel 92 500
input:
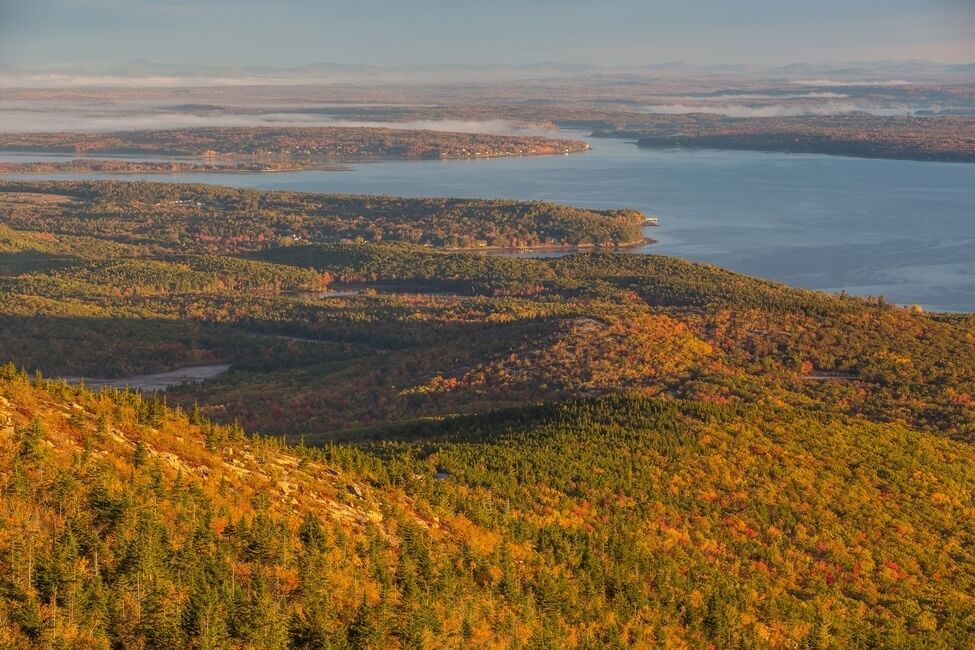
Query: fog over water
pixel 18 117
pixel 775 110
pixel 903 229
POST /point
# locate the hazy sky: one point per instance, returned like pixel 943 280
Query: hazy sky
pixel 292 32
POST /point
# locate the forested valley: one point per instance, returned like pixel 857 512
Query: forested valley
pixel 422 446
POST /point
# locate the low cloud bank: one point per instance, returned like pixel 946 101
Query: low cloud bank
pixel 711 98
pixel 811 95
pixel 79 118
pixel 827 83
pixel 771 110
pixel 57 80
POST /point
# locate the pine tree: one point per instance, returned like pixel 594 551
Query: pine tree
pixel 204 617
pixel 196 415
pixel 29 440
pixel 141 454
pixel 311 533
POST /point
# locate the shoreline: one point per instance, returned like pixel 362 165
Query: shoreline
pixel 340 165
pixel 553 248
pixel 962 159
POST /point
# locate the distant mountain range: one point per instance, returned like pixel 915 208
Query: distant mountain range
pixel 151 73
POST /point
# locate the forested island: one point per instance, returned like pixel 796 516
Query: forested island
pixel 414 446
pixel 948 139
pixel 289 147
pixel 122 166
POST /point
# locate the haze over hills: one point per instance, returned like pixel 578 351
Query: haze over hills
pixel 150 73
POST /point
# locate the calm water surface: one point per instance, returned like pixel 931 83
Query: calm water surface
pixel 902 229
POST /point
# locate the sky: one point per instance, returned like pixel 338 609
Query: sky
pixel 284 33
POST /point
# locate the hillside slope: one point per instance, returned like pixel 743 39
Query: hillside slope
pixel 125 523
pixel 621 521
